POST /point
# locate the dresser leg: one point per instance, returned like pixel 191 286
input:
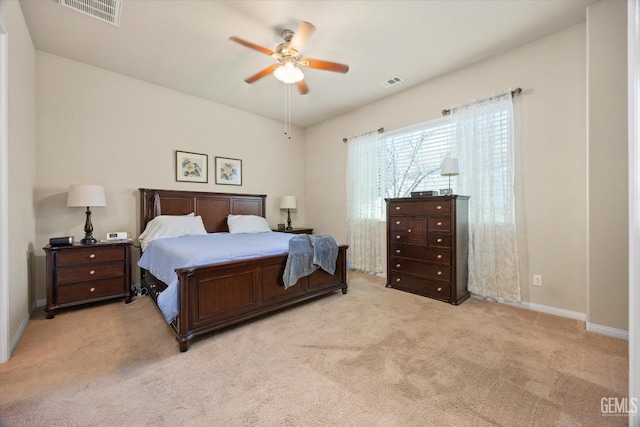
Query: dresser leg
pixel 50 313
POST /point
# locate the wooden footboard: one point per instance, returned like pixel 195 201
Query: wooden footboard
pixel 217 296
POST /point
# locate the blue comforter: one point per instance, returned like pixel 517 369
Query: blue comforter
pixel 162 256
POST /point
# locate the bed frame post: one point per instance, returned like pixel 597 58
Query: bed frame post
pixel 182 336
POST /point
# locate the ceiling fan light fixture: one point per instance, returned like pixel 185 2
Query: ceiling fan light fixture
pixel 288 73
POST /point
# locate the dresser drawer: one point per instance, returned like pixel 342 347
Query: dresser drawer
pixel 398 223
pixel 440 240
pixel 441 256
pixel 85 255
pixel 92 271
pixel 420 286
pixel 91 290
pixel 439 223
pixel 398 236
pixel 420 207
pixel 421 268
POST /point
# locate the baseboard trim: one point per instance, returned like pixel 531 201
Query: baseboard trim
pixel 552 310
pixel 606 330
pixel 16 338
pixel 590 327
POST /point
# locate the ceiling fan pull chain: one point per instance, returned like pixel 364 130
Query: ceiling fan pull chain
pixel 289 109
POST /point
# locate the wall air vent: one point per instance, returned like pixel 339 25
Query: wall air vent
pixel 104 10
pixel 392 82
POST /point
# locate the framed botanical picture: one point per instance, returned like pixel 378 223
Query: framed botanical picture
pixel 192 167
pixel 228 171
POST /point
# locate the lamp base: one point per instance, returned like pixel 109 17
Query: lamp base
pixel 289 227
pixel 89 240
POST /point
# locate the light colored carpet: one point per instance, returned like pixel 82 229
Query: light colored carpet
pixel 373 357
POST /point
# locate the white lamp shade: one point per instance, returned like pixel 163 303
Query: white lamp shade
pixel 450 167
pixel 86 195
pixel 288 202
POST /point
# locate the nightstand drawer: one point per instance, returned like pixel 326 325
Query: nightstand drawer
pixel 93 254
pixel 89 272
pixel 91 290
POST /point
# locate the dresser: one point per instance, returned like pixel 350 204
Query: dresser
pixel 80 274
pixel 427 246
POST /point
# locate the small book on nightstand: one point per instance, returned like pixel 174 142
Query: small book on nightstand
pixel 61 241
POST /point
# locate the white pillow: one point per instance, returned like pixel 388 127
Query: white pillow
pixel 164 226
pixel 247 224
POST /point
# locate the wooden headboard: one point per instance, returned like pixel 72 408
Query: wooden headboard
pixel 212 207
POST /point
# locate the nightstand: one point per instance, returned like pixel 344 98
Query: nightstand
pixel 79 274
pixel 297 231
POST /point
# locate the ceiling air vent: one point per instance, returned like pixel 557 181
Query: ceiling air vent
pixel 104 10
pixel 392 81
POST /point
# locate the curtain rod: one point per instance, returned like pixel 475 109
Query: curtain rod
pixel 516 91
pixel 380 130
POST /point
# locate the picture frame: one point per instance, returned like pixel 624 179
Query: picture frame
pixel 192 167
pixel 228 171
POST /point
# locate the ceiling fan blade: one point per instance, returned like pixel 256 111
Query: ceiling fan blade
pixel 302 87
pixel 269 70
pixel 323 65
pixel 252 46
pixel 301 35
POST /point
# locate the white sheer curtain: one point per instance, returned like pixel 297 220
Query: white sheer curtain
pixel 365 202
pixel 485 147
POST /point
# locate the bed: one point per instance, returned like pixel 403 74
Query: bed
pixel 212 297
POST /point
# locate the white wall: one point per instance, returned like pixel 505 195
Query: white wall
pixel 608 156
pixel 22 171
pixel 98 127
pixel 551 155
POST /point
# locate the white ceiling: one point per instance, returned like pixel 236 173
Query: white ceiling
pixel 184 44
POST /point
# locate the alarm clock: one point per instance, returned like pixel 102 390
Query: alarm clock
pixel 118 235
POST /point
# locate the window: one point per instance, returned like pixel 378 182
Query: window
pixel 413 157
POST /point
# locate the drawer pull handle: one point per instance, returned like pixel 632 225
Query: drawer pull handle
pixel 92 289
pixel 92 272
pixel 398 279
pixel 439 289
pixel 92 256
pixel 409 230
pixel 397 251
pixel 439 273
pixel 397 237
pixel 398 222
pixel 397 265
pixel 439 224
pixel 439 207
pixel 439 256
pixel 397 208
pixel 439 240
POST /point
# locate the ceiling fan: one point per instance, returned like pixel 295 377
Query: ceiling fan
pixel 289 57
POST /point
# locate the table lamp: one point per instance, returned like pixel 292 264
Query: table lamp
pixel 86 196
pixel 449 168
pixel 288 203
